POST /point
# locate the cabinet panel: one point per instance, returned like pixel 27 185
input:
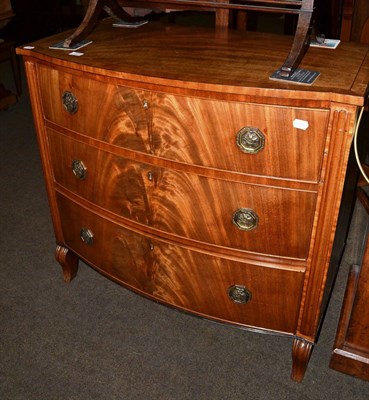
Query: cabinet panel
pixel 288 143
pixel 183 278
pixel 203 209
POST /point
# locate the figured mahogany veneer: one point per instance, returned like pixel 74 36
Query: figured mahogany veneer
pixel 170 125
pixel 185 204
pixel 190 280
pixel 175 171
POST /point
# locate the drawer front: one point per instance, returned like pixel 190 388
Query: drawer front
pixel 248 138
pixel 114 114
pixel 210 286
pixel 281 142
pixel 252 218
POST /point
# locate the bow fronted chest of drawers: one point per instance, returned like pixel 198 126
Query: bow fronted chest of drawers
pixel 177 168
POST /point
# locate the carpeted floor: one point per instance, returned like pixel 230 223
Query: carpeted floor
pixel 94 340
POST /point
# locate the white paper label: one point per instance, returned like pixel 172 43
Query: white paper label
pixel 300 124
pixel 76 53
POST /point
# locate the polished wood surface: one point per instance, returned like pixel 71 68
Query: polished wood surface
pixel 169 127
pixel 190 280
pixel 155 126
pixel 204 62
pixel 301 352
pixel 303 8
pixel 188 205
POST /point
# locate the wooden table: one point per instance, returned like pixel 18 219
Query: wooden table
pixel 302 8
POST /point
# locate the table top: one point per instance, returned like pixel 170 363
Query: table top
pixel 206 59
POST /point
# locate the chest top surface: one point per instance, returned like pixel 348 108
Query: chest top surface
pixel 205 59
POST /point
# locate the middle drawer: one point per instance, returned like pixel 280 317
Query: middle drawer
pixel 259 219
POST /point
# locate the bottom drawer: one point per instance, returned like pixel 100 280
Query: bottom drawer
pixel 213 287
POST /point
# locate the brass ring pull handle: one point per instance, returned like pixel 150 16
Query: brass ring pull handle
pixel 70 102
pixel 79 169
pixel 245 219
pixel 87 236
pixel 250 140
pixel 239 294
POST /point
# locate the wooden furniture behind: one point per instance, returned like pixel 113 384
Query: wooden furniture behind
pixel 351 348
pixel 303 8
pixel 6 12
pixel 177 168
pixel 355 21
pixel 350 353
pixel 7 53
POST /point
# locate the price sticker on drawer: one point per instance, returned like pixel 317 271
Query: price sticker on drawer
pixel 300 124
pixel 76 53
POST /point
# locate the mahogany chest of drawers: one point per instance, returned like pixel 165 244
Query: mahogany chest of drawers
pixel 177 168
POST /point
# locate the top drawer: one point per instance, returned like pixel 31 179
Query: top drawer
pixel 274 141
